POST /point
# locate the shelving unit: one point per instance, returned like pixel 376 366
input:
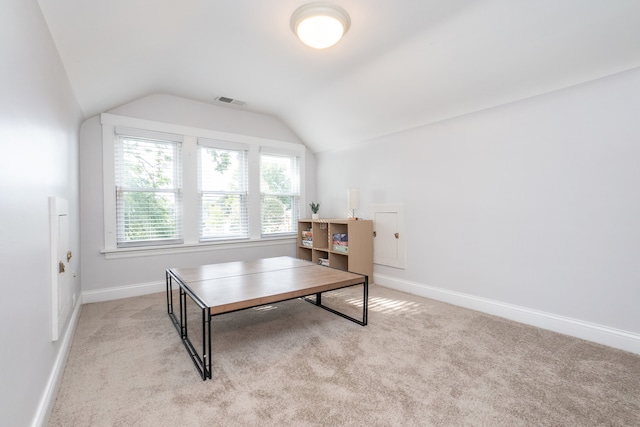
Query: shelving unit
pixel 358 258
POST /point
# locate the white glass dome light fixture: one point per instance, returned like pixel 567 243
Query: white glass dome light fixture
pixel 320 24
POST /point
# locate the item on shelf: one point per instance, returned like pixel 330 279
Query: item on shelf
pixel 307 238
pixel 323 261
pixel 341 243
pixel 340 237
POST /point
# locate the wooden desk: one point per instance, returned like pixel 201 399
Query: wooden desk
pixel 226 287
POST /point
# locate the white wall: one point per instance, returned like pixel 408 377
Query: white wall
pixel 535 204
pixel 115 278
pixel 39 121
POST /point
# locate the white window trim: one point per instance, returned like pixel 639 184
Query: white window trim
pixel 190 176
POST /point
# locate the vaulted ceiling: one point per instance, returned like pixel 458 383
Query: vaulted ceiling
pixel 402 64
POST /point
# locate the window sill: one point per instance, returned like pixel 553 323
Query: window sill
pixel 144 251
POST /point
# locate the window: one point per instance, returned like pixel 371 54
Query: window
pixel 148 180
pixel 280 193
pixel 170 188
pixel 223 185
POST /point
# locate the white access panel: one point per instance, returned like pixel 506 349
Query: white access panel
pixel 61 298
pixel 389 235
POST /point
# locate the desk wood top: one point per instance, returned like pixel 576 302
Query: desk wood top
pixel 238 285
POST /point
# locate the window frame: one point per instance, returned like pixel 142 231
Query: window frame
pixel 190 196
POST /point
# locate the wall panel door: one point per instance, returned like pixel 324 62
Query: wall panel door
pixel 389 240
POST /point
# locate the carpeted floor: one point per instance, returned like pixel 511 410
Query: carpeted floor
pixel 418 363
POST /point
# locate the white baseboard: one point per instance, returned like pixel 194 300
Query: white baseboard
pixel 48 399
pixel 108 294
pixel 611 337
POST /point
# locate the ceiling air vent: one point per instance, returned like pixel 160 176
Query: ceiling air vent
pixel 231 101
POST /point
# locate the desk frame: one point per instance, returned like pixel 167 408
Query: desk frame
pixel 202 358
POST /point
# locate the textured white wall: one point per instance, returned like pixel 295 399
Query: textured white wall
pixel 101 274
pixel 534 204
pixel 39 120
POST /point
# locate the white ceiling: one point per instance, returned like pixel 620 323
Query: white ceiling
pixel 403 63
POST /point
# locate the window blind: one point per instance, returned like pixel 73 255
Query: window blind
pixel 148 191
pixel 279 193
pixel 223 186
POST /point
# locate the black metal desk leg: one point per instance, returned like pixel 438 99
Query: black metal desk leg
pixel 172 315
pixel 183 313
pixel 206 344
pixel 365 305
pixel 169 296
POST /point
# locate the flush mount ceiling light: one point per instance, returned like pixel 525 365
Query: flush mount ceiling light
pixel 320 24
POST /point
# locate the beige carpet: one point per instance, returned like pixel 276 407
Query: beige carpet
pixel 418 363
